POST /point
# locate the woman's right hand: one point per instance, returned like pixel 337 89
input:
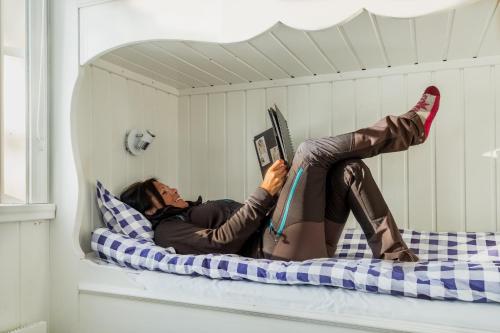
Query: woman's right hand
pixel 275 177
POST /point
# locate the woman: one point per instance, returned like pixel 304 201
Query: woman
pixel 326 180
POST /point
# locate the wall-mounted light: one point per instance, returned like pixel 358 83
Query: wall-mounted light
pixel 137 141
pixel 492 153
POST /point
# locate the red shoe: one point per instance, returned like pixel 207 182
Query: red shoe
pixel 429 102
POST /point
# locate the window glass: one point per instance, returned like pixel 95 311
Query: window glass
pixel 13 105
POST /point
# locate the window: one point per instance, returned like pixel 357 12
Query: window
pixel 23 120
pixel 13 106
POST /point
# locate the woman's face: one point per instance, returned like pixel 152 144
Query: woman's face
pixel 170 197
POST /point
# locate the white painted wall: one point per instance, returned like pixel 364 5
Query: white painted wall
pixel 204 144
pixel 24 278
pixel 443 184
pixel 64 255
pixel 108 105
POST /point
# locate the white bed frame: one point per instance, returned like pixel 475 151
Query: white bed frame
pixel 105 298
pixel 119 293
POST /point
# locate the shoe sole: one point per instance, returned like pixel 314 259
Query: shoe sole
pixel 430 118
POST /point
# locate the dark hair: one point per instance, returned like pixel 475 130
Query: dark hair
pixel 138 195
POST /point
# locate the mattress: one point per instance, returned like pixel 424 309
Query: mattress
pixel 327 300
pixel 453 266
pixel 322 301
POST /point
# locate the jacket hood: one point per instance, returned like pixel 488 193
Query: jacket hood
pixel 169 211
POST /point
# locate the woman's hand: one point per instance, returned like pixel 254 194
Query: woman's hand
pixel 275 177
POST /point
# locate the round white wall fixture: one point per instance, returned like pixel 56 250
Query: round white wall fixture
pixel 137 141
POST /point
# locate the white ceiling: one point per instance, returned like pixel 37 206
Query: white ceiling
pixel 365 42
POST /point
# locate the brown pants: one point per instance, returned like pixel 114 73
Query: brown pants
pixel 326 180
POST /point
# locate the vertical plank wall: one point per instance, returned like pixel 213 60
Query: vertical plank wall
pixel 204 144
pixel 451 182
pixel 110 105
pixel 24 278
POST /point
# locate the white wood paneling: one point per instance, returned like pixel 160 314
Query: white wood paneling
pixel 109 105
pixel 421 205
pixel 362 41
pixel 184 147
pixel 466 36
pixel 344 106
pixel 35 271
pixel 443 184
pixel 216 146
pixel 277 52
pixel 479 139
pixel 134 113
pixel 150 121
pixel 253 58
pixel 236 145
pixel 395 36
pixel 394 182
pixel 158 59
pixel 9 279
pixel 168 130
pixel 490 44
pixel 255 124
pixel 119 178
pixel 202 63
pixel 432 36
pixel 320 109
pixel 360 34
pixel 226 59
pixel 298 113
pixel 100 119
pixel 301 46
pixel 450 167
pixel 199 145
pixel 120 60
pixel 334 47
pixel 24 282
pixel 188 67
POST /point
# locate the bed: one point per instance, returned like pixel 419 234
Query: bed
pixel 321 305
pixel 452 266
pixel 287 289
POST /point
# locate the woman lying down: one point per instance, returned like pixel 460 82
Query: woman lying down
pixel 296 213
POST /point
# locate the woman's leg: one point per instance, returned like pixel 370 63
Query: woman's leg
pixel 296 229
pixel 350 186
pixel 336 207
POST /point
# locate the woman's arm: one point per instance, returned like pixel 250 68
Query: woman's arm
pixel 230 237
pixel 187 238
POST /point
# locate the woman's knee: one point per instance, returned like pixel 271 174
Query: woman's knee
pixel 351 169
pixel 305 149
pixel 306 146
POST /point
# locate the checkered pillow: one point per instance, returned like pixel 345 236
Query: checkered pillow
pixel 121 218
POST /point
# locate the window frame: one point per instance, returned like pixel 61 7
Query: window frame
pixel 37 204
pixel 37 102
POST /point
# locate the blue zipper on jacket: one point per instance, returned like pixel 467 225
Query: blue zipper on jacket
pixel 288 201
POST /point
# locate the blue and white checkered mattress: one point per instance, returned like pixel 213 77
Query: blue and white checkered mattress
pixel 453 266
